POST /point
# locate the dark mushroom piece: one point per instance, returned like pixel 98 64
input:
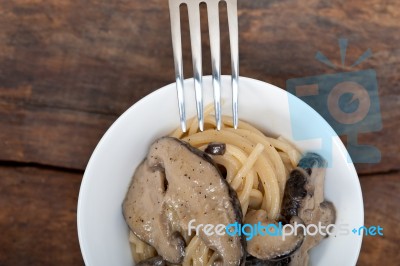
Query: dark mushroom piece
pixel 295 192
pixel 154 261
pixel 145 213
pixel 253 261
pixel 271 246
pixel 304 200
pixel 216 148
pixel 304 197
pixel 176 184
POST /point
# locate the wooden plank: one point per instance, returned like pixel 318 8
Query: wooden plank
pixel 99 57
pixel 38 217
pixel 381 203
pixel 94 56
pixel 50 136
pixel 84 50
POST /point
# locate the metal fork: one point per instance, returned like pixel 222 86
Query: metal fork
pixel 193 7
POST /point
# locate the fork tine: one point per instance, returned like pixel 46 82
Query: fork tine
pixel 215 46
pixel 175 17
pixel 195 40
pixel 234 44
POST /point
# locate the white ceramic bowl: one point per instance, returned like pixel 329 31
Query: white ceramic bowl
pixel 103 234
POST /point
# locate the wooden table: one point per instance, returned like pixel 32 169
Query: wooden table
pixel 68 69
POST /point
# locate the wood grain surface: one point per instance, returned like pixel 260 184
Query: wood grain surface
pixel 68 69
pixel 38 216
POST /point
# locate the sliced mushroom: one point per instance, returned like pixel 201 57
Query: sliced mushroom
pixel 265 246
pixel 155 261
pixel 145 214
pixel 295 192
pixel 304 196
pixel 216 148
pixel 176 184
pixel 328 213
pixel 253 261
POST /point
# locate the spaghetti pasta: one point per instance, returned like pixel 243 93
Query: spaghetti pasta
pixel 256 166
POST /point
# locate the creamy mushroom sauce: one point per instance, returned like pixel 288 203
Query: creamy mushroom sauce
pixel 177 183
